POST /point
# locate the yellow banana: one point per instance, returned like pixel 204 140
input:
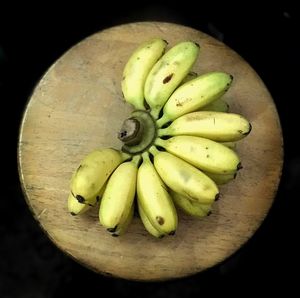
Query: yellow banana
pixel 190 76
pixel 93 172
pixel 148 225
pixel 221 179
pixel 231 145
pixel 195 94
pixel 191 207
pixel 167 74
pixel 184 178
pixel 154 198
pixel 124 224
pixel 204 154
pixel 137 69
pixel 76 208
pixel 218 105
pixel 119 195
pixel 217 126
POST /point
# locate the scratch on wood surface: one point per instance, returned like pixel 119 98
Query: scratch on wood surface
pixel 41 213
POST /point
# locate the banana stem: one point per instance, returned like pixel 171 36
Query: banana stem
pixel 163 120
pixel 146 157
pixel 159 142
pixel 136 160
pixel 155 113
pixel 125 156
pixel 153 150
pixel 162 132
pixel 131 131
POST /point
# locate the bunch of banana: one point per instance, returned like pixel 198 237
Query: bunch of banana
pixel 179 144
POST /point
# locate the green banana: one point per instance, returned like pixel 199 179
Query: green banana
pixel 167 74
pixel 217 126
pixel 124 224
pixel 137 69
pixel 119 195
pixel 218 105
pixel 195 94
pixel 154 198
pixel 148 225
pixel 184 178
pixel 93 172
pixel 190 207
pixel 76 208
pixel 204 154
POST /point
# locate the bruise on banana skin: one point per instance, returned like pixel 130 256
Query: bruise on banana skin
pixel 160 220
pixel 168 78
pixel 79 198
pixel 181 103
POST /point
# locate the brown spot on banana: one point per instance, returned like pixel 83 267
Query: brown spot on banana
pixel 80 199
pixel 160 220
pixel 168 78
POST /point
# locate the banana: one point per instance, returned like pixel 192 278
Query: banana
pixel 204 154
pixel 221 179
pixel 137 69
pixel 124 224
pixel 148 225
pixel 154 198
pixel 231 145
pixel 191 207
pixel 190 76
pixel 93 172
pixel 218 105
pixel 184 178
pixel 76 208
pixel 167 74
pixel 119 195
pixel 195 94
pixel 217 126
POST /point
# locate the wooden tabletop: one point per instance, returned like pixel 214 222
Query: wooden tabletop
pixel 78 106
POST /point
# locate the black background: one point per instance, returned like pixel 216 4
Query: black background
pixel 31 39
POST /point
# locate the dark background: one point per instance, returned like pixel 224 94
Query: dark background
pixel 32 39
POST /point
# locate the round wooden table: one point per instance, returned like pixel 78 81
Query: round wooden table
pixel 78 106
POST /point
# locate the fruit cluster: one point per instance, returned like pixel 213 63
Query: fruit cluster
pixel 179 144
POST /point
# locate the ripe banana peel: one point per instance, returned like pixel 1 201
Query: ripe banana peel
pixel 195 94
pixel 137 69
pixel 167 74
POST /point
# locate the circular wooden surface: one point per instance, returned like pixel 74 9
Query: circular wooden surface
pixel 77 107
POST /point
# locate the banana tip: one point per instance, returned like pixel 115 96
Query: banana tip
pixel 239 166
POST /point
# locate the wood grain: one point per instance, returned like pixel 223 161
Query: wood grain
pixel 77 106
